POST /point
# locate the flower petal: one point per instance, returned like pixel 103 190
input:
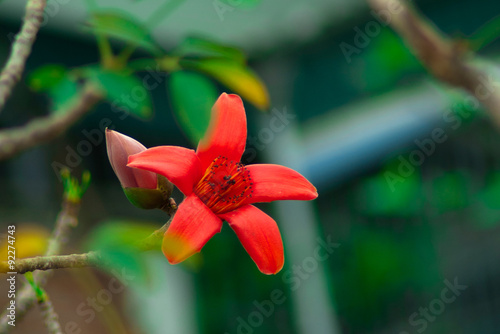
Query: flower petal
pixel 179 165
pixel 193 225
pixel 259 235
pixel 227 132
pixel 275 182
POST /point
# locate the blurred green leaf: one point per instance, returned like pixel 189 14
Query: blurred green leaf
pixel 450 191
pixel 490 195
pixel 235 76
pixel 117 242
pixel 486 34
pixel 386 62
pixel 61 93
pixel 119 26
pixel 192 97
pixel 56 81
pixel 486 208
pixel 124 91
pixel 73 189
pixel 46 77
pixel 199 47
pixel 378 196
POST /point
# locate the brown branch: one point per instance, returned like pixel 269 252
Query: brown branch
pixel 21 49
pixel 46 128
pixel 90 259
pixel 25 298
pixel 444 58
pixel 22 266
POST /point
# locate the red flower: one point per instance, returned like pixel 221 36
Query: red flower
pixel 218 187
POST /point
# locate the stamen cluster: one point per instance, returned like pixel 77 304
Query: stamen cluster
pixel 225 185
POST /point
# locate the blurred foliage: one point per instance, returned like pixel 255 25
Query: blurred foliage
pixel 387 61
pixel 234 75
pixel 126 29
pixel 192 98
pixel 387 263
pixel 123 91
pixel 377 198
pixel 484 35
pixel 197 47
pixel 118 243
pixel 74 190
pixel 450 192
pixel 56 81
pixel 377 268
pixel 192 95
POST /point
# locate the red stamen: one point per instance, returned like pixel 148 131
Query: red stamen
pixel 225 185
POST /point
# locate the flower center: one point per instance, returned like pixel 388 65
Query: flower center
pixel 225 185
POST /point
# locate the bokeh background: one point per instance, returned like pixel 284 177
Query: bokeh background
pixel 411 222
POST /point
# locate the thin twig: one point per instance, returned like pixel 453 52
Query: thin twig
pixel 444 58
pixel 21 49
pixel 46 128
pixel 50 317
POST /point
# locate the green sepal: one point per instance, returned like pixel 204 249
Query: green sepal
pixel 165 186
pixel 145 198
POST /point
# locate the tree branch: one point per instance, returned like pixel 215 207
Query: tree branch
pixel 90 259
pixel 21 49
pixel 46 128
pixel 447 60
pixel 25 298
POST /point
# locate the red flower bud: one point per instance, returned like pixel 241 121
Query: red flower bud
pixel 120 147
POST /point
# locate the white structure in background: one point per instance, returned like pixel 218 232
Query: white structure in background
pixel 168 296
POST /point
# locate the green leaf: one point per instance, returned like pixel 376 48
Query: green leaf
pixel 199 47
pixel 124 91
pixel 46 77
pixel 120 26
pixel 62 92
pixel 117 242
pixel 192 97
pixel 56 81
pixel 235 76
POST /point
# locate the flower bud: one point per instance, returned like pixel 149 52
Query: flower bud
pixel 120 147
pixel 145 190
